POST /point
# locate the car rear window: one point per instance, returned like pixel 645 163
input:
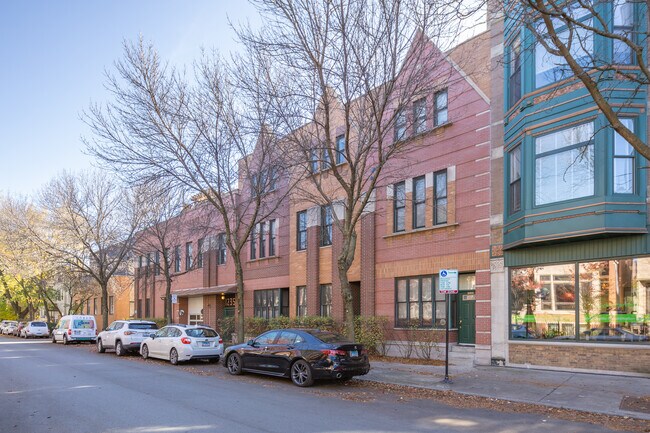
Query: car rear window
pixel 328 337
pixel 201 332
pixel 143 326
pixel 83 324
pixel 39 324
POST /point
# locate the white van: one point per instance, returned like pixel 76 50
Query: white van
pixel 75 328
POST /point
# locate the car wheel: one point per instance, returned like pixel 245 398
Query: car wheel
pixel 301 374
pixel 119 350
pixel 100 346
pixel 234 364
pixel 346 378
pixel 145 352
pixel 65 340
pixel 173 357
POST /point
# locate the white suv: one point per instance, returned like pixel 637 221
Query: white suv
pixel 125 335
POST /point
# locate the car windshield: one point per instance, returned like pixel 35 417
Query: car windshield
pixel 328 337
pixel 83 324
pixel 143 326
pixel 201 332
pixel 39 324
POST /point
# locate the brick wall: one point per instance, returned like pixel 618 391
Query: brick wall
pixel 614 358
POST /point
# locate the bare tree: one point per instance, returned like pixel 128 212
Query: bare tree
pixel 341 78
pixel 89 224
pixel 567 32
pixel 168 221
pixel 205 137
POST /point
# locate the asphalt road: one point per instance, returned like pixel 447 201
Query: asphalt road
pixel 69 389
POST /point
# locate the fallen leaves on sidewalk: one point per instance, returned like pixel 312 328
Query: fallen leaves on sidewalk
pixel 412 361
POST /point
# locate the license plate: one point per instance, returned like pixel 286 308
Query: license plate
pixel 205 344
pixel 354 353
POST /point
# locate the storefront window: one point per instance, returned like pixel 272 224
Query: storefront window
pixel 614 300
pixel 612 303
pixel 542 302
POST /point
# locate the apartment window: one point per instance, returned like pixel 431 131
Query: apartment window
pixel 221 249
pixel 111 305
pixel 419 116
pixel 419 304
pixel 199 253
pixel 177 258
pixel 301 301
pixel 325 226
pixel 148 260
pixel 514 189
pixel 340 149
pixel 419 202
pixel 94 305
pixel 326 163
pixel 564 164
pixel 140 261
pixel 399 207
pixel 440 199
pixel 514 74
pixel 189 259
pixel 262 240
pixel 550 68
pixel 400 125
pixel 301 226
pixel 157 263
pixel 313 161
pixel 624 162
pixel 147 307
pixel 325 300
pixel 139 311
pixel 253 242
pixel 441 112
pixel 271 303
pixel 272 237
pixel 623 25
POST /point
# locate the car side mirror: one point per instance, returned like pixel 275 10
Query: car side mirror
pixel 153 336
pixel 251 342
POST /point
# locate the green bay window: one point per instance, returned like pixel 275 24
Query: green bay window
pixel 624 162
pixel 514 187
pixel 564 164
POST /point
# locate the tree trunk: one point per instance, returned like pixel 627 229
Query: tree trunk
pixel 168 300
pixel 104 286
pixel 239 279
pixel 344 261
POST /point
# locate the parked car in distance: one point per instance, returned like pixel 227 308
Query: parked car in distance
pixel 612 334
pixel 177 343
pixel 125 335
pixel 16 331
pixel 300 354
pixel 35 329
pixel 9 327
pixel 520 331
pixel 75 328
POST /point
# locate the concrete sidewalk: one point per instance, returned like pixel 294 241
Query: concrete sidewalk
pixel 580 391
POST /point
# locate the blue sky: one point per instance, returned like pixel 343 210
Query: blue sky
pixel 54 54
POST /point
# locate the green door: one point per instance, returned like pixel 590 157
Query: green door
pixel 466 318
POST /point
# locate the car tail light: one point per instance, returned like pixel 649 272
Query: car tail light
pixel 220 341
pixel 335 352
pixel 129 332
pixel 364 352
pixel 186 340
pixel 69 331
pixel 96 332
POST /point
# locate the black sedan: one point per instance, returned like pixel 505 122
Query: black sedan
pixel 301 354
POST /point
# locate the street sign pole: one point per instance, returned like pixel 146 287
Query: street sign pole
pixel 447 379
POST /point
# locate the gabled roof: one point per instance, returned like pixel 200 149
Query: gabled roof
pixel 473 59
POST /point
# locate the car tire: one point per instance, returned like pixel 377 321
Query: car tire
pixel 65 340
pixel 233 362
pixel 119 349
pixel 301 374
pixel 100 346
pixel 173 356
pixel 145 351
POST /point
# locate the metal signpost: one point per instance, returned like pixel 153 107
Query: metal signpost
pixel 448 285
pixel 174 299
